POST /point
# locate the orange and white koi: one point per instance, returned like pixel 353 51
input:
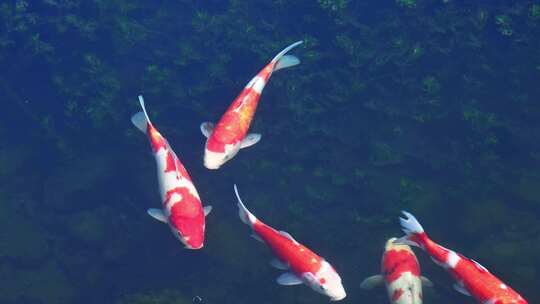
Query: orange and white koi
pixel 225 139
pixel 400 272
pixel 472 279
pixel 181 206
pixel 303 265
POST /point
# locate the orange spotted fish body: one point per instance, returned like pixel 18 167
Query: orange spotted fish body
pixel 230 134
pixel 303 265
pixel 181 206
pixel 471 278
pixel 400 272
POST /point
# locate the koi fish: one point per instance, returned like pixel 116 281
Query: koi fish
pixel 472 279
pixel 181 206
pixel 302 264
pixel 230 134
pixel 400 272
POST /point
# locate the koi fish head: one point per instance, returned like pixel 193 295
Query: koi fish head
pixel 216 154
pixel 398 259
pixel 392 245
pixel 326 281
pixel 190 232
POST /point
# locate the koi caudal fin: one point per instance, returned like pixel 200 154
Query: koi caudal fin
pixel 283 61
pixel 246 216
pixel 140 119
pixel 414 232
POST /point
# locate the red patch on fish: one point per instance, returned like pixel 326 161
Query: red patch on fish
pixel 396 262
pixel 181 169
pixel 481 284
pixel 171 163
pixel 397 294
pixel 234 124
pixel 156 140
pixel 187 215
pixel 214 145
pixel 300 258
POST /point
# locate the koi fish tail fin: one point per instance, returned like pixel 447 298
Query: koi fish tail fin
pixel 140 119
pixel 414 233
pixel 246 216
pixel 282 61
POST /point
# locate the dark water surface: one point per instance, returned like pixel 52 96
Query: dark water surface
pixel 427 106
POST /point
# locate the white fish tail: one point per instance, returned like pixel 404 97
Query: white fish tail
pixel 412 228
pixel 246 216
pixel 140 119
pixel 283 61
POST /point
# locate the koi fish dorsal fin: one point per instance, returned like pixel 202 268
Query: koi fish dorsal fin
pixel 282 61
pixel 140 119
pixel 244 214
pixel 372 282
pixel 288 235
pixel 482 268
pixel 176 161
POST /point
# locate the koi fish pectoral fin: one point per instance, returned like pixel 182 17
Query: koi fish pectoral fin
pixel 426 282
pixel 372 282
pixel 276 263
pixel 250 140
pixel 207 210
pixel 157 214
pixel 461 289
pixel 207 128
pixel 289 278
pixel 140 119
pixel 286 62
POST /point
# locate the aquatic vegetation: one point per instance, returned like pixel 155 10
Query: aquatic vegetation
pixel 333 5
pixel 428 105
pixel 534 12
pixel 406 3
pixel 504 25
pixel 430 85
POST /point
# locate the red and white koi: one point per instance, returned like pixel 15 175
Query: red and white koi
pixel 181 206
pixel 226 138
pixel 400 272
pixel 303 265
pixel 472 279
